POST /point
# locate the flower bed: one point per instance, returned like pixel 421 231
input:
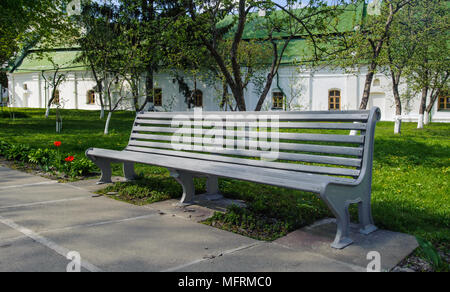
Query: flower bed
pixel 51 160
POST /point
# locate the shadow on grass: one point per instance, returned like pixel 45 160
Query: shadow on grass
pixel 392 152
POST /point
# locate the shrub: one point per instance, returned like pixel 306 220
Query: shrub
pixel 17 153
pixel 47 159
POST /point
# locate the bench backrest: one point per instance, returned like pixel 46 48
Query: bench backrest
pixel 312 142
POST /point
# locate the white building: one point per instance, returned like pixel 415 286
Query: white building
pixel 324 89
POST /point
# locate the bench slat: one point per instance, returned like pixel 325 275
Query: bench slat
pixel 341 150
pixel 250 134
pixel 283 116
pixel 259 163
pixel 283 125
pixel 256 153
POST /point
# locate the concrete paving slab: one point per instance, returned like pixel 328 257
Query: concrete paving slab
pixel 195 213
pixel 153 244
pixel 91 184
pixel 38 193
pixel 270 257
pixel 26 255
pixel 73 213
pixel 16 178
pixel 202 209
pixel 392 246
pixel 8 233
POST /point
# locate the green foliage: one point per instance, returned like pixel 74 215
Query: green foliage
pixel 429 65
pixel 17 152
pixel 145 190
pixel 42 157
pixel 432 255
pixel 23 22
pixel 248 223
pixel 47 159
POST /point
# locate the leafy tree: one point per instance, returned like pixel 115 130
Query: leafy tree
pixel 366 43
pixel 429 66
pixel 121 44
pixel 221 24
pixel 23 22
pixel 402 43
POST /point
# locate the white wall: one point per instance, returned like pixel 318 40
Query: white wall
pixel 305 89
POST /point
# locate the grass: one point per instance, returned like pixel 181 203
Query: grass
pixel 410 182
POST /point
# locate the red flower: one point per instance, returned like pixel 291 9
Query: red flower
pixel 70 159
pixel 57 143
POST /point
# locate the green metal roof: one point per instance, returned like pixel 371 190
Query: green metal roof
pixel 299 49
pixel 352 15
pixel 35 61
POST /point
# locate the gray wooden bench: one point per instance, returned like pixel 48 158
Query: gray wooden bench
pixel 314 153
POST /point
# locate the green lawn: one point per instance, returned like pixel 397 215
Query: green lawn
pixel 410 188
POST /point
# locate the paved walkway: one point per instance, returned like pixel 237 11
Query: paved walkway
pixel 41 221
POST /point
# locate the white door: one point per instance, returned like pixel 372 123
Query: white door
pixel 378 100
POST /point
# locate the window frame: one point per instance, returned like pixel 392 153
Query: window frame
pixel 157 92
pixel 277 100
pixel 90 101
pixel 196 95
pixel 332 99
pixel 446 102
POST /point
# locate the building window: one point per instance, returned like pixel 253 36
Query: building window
pixel 444 102
pixel 56 99
pixel 277 100
pixel 376 82
pixel 334 100
pixel 25 87
pixel 157 97
pixel 198 98
pixel 90 97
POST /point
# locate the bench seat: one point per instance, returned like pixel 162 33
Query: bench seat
pixel 282 178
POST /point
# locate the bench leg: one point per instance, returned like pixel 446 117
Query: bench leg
pixel 128 171
pixel 339 208
pixel 105 167
pixel 186 180
pixel 365 217
pixel 212 186
pixel 212 189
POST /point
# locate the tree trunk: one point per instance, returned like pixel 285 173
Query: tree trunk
pixel 266 90
pixel 49 104
pixel 368 86
pixel 426 118
pixel 108 120
pixel 398 102
pixel 429 108
pixel 238 93
pixel 102 104
pixel 224 102
pixel 423 104
pixel 149 87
